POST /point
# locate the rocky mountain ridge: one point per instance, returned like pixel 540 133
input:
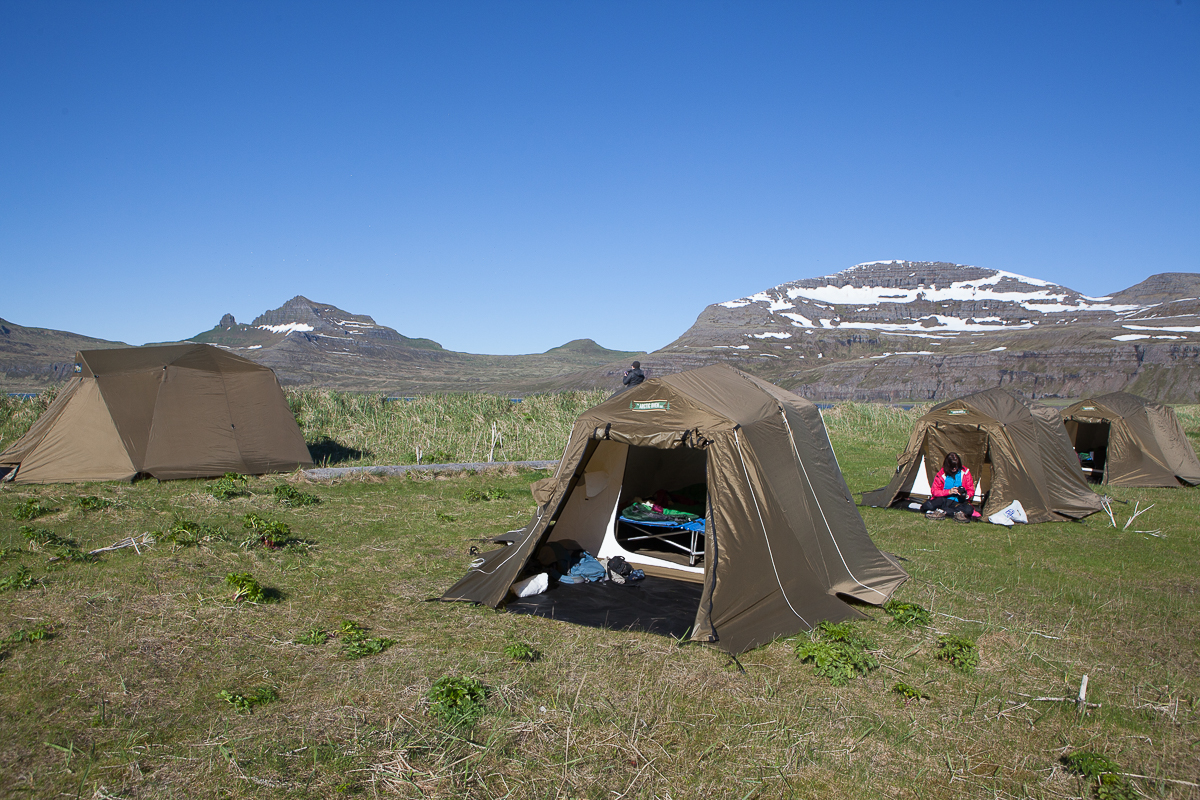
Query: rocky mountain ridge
pixel 880 331
pixel 901 330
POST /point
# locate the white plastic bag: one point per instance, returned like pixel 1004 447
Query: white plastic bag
pixel 531 586
pixel 1013 512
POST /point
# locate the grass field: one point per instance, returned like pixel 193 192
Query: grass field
pixel 149 679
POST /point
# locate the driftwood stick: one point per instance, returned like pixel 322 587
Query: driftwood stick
pixel 1081 700
pixel 128 541
pixel 1136 514
pixel 1107 505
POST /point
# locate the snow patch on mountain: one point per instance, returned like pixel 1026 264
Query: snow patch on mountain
pixel 287 328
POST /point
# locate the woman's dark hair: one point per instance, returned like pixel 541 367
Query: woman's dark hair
pixel 637 365
pixel 952 464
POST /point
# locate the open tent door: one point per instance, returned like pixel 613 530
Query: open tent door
pixel 615 475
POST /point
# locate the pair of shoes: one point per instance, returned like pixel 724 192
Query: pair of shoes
pixel 937 513
pixel 961 517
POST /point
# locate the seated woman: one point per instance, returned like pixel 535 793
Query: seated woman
pixel 952 490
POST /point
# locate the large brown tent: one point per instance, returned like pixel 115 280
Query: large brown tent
pixel 1131 441
pixel 782 537
pixel 1016 450
pixel 175 411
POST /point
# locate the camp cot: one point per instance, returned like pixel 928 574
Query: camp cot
pixel 1126 440
pixel 1017 450
pixel 171 411
pixel 782 538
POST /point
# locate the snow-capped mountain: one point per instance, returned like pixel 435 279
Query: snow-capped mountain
pixel 888 330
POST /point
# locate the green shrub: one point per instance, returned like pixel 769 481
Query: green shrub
pixel 962 653
pixel 245 703
pixel 313 636
pixel 909 692
pixel 37 633
pixel 42 539
pixel 484 495
pixel 245 587
pixel 457 701
pixel 443 516
pixel 19 579
pixel 848 632
pixel 1102 772
pixel 267 532
pixel 907 615
pixel 290 496
pixel 357 644
pixel 519 651
pixel 32 509
pixel 840 662
pixel 229 485
pixel 93 503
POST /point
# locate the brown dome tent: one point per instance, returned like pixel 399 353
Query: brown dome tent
pixel 782 538
pixel 174 411
pixel 1126 440
pixel 1016 450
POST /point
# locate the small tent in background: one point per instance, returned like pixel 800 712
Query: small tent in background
pixel 175 411
pixel 1016 450
pixel 1126 440
pixel 782 538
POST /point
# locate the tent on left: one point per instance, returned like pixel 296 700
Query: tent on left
pixel 173 411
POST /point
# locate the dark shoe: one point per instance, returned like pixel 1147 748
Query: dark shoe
pixel 961 517
pixel 937 513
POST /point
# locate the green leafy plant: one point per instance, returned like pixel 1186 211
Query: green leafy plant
pixel 1102 773
pixel 357 644
pixel 245 703
pixel 93 503
pixel 290 496
pixel 229 485
pixel 186 533
pixel 32 509
pixel 962 653
pixel 484 495
pixel 37 633
pixel 267 532
pixel 457 701
pixel 907 615
pixel 840 662
pixel 519 651
pixel 443 516
pixel 909 692
pixel 313 636
pixel 19 579
pixel 245 587
pixel 847 632
pixel 42 539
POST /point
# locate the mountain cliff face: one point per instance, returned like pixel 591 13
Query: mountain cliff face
pixel 316 344
pixel 31 359
pixel 883 331
pixel 905 330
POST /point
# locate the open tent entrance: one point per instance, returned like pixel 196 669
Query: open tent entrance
pixel 1091 443
pixel 971 446
pixel 616 476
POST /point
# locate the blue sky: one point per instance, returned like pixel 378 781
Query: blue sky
pixel 505 177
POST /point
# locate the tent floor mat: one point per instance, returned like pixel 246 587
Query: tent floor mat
pixel 654 605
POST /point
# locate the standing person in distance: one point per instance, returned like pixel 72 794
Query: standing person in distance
pixel 633 376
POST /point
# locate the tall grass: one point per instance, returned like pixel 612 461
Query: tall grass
pixel 437 429
pixel 17 414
